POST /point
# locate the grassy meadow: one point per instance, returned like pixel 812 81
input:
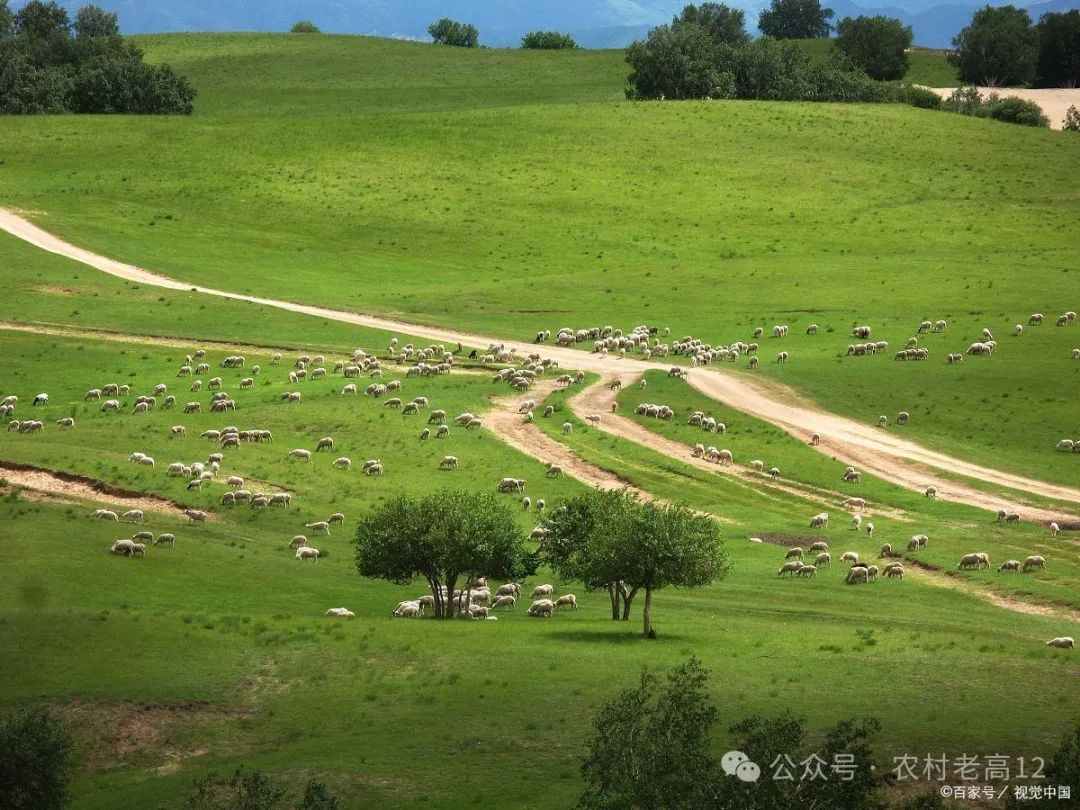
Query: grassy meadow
pixel 504 192
pixel 215 653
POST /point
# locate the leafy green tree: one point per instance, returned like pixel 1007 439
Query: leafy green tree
pixel 676 62
pixel 1059 50
pixel 650 746
pixel 304 27
pixel 450 32
pixel 1072 120
pixel 91 21
pixel 877 45
pixel 614 540
pixel 442 537
pixel 35 761
pixel 548 41
pixel 724 24
pixel 7 21
pixel 998 47
pixel 795 19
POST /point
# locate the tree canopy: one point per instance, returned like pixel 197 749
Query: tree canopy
pixel 614 541
pixel 50 65
pixel 1000 47
pixel 442 537
pixel 795 19
pixel 1059 50
pixel 304 27
pixel 35 761
pixel 451 32
pixel 877 45
pixel 547 41
pixel 723 23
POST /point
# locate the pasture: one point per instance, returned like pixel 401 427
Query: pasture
pixel 502 193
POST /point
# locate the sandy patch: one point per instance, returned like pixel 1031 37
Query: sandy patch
pixel 1055 101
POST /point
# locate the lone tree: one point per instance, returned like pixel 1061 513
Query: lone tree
pixel 450 32
pixel 998 48
pixel 1059 50
pixel 795 19
pixel 548 41
pixel 442 537
pixel 877 45
pixel 650 745
pixel 616 542
pixel 35 761
pixel 304 27
pixel 724 24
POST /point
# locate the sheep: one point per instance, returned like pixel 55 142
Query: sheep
pixel 1065 445
pixel 325 443
pixel 856 522
pixel 66 423
pixel 93 393
pixel 507 601
pixel 850 556
pixel 292 397
pixel 823 560
pixel 976 560
pixel 113 405
pixel 512 485
pixel 298 541
pixel 567 427
pixel 283 499
pixel 104 514
pixel 322 526
pixel 931 492
pixel 340 612
pixel 509 589
pixel 1035 561
pixel 373 469
pixel 196 515
pixel 167 539
pixel 554 471
pixel 794 553
pixel 820 521
pixel 789 568
pixel 196 484
pixel 566 600
pixel 782 357
pixel 1010 565
pixel 124 546
pixel 473 423
pixel 886 551
pixel 1018 330
pixel 542 591
pixel 442 431
pixel 1054 529
pixel 1012 517
pixel 349 390
pixel 894 571
pixel 342 463
pixel 543 607
pixel 1036 319
pixel 920 540
pixel 883 421
pixel 853 503
pixel 1076 354
pixel 299 453
pixel 305 553
pixel 191 407
pixel 147 461
pixel 448 463
pixel 1062 642
pixel 852 476
pixel 857 574
pixel 903 418
pixel 755 540
pixel 196 385
pixel 228 499
pixel 526 503
pixel 133 516
pixel 774 472
pixel 337 518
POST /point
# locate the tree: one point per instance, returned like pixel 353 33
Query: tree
pixel 676 62
pixel 1059 50
pixel 91 21
pixel 35 761
pixel 304 27
pixel 41 21
pixel 650 746
pixel 1071 123
pixel 998 47
pixel 724 24
pixel 547 41
pixel 7 21
pixel 442 537
pixel 450 32
pixel 615 541
pixel 876 45
pixel 795 19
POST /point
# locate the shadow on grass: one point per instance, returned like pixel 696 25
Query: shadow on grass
pixel 618 635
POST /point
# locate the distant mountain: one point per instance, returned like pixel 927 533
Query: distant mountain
pixel 594 23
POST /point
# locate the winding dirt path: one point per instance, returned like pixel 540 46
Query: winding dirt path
pixel 70 486
pixel 851 442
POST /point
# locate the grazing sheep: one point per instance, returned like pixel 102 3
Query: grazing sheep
pixel 1009 565
pixel 856 522
pixel 325 443
pixel 298 541
pixel 1062 642
pixel 794 553
pixel 195 483
pixel 165 540
pixel 819 545
pixel 114 405
pixel 105 514
pixel 1036 319
pixel 850 556
pixel 782 357
pixel 806 571
pixel 526 503
pixel 66 423
pixel 852 476
pixel 883 421
pixel 823 560
pixel 507 601
pixel 177 430
pixel 972 561
pixel 196 515
pixel 191 407
pixel 299 453
pixel 542 607
pixel 856 575
pixel 567 427
pixel 228 499
pixel 133 516
pixel 125 547
pixel 815 439
pixel 542 591
pixel 448 463
pixel 1012 517
pixel 789 568
pixel 820 521
pixel 886 551
pixel 305 553
pixel 322 526
pixel 337 517
pixel 931 492
pixel 442 431
pixel 340 612
pixel 920 540
pixel 774 472
pixel 567 600
pixel 1054 529
pixel 872 573
pixel 853 503
pixel 1035 561
pixel 343 463
pixel 554 471
pixel 894 571
pixel 349 390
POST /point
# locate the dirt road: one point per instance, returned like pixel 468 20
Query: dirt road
pixel 851 442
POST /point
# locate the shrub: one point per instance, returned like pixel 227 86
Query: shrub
pixel 35 767
pixel 921 97
pixel 1015 110
pixel 305 27
pixel 1072 120
pixel 548 41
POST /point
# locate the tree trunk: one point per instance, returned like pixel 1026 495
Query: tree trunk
pixel 613 594
pixel 436 594
pixel 628 600
pixel 450 607
pixel 648 631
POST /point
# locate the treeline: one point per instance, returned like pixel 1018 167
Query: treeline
pixel 51 64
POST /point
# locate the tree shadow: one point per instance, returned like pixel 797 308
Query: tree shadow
pixel 620 635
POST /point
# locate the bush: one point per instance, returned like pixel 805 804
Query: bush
pixel 547 41
pixel 921 97
pixel 1015 110
pixel 305 27
pixel 1072 120
pixel 35 767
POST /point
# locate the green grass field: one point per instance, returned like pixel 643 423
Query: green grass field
pixel 505 192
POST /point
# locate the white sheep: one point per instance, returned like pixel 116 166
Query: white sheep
pixel 305 553
pixel 931 492
pixel 340 612
pixel 566 600
pixel 1009 565
pixel 857 574
pixel 1035 561
pixel 856 522
pixel 1054 529
pixel 542 607
pixel 850 556
pixel 1062 642
pixel 542 591
pixel 789 568
pixel 448 463
pixel 322 526
pixel 342 463
pixel 299 453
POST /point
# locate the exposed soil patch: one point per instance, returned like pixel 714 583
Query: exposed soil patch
pixel 54 289
pixel 117 731
pixel 69 485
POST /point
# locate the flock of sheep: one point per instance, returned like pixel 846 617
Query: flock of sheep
pixel 476 601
